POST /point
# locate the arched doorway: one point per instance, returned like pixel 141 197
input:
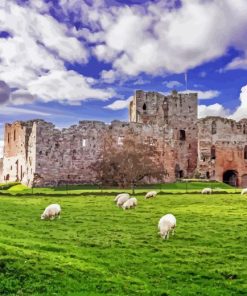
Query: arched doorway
pixel 231 177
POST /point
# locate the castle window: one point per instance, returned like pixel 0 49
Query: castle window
pixel 245 152
pixel 14 135
pixel 144 107
pixel 207 175
pixel 182 135
pixel 181 174
pixel 214 128
pixel 84 142
pixel 56 145
pixel 40 152
pixel 120 140
pixel 8 137
pixel 213 153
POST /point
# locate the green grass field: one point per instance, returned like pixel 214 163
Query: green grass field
pixel 99 249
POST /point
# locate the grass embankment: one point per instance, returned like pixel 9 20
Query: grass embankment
pixel 179 187
pixel 99 249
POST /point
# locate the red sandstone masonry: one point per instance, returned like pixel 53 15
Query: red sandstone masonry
pixel 37 152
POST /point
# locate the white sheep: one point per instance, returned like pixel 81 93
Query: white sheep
pixel 121 194
pixel 151 194
pixel 51 212
pixel 206 190
pixel 122 199
pixel 130 203
pixel 244 191
pixel 166 224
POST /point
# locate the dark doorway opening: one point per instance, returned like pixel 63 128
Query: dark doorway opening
pixel 231 177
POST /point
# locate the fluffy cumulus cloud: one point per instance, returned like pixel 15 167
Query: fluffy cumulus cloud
pixel 119 104
pixel 241 111
pixel 212 110
pixel 154 38
pixel 172 84
pixel 204 95
pixel 4 92
pixel 66 86
pixel 219 110
pixel 36 49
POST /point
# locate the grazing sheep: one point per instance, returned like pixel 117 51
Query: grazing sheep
pixel 122 199
pixel 121 194
pixel 151 194
pixel 51 212
pixel 206 191
pixel 244 191
pixel 130 203
pixel 166 224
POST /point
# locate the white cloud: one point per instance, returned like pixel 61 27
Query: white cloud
pixel 108 76
pixel 212 110
pixel 203 95
pixel 33 57
pixel 237 63
pixel 119 104
pixel 26 23
pixel 141 81
pixel 67 86
pixel 219 110
pixel 241 111
pixel 4 92
pixel 5 110
pixel 154 39
pixel 172 84
pixel 20 97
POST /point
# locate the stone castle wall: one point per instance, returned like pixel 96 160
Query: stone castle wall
pixel 222 148
pixel 36 153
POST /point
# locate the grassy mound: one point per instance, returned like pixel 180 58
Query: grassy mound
pixel 99 249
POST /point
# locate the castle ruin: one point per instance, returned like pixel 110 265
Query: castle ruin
pixel 38 154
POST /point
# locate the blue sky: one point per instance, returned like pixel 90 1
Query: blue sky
pixel 68 60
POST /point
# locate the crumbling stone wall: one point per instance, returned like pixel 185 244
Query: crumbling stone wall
pixel 177 115
pixel 38 154
pixel 16 145
pixel 222 149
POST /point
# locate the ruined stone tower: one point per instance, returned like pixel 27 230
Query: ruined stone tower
pixel 177 114
pixel 36 153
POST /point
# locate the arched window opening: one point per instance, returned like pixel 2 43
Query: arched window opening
pixel 144 107
pixel 245 152
pixel 182 135
pixel 213 153
pixel 214 128
pixel 207 175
